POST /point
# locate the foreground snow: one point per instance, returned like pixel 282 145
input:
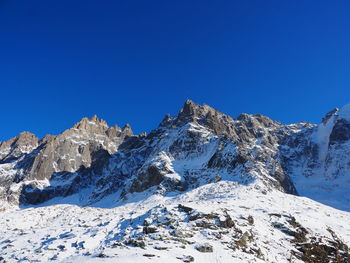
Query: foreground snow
pixel 117 232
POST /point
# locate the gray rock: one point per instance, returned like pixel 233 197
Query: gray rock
pixel 204 248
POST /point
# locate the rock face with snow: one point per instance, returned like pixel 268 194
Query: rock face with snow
pixel 10 150
pixel 200 145
pixel 203 186
pixel 34 171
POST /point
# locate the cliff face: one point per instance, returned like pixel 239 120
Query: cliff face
pixel 198 146
pixel 57 165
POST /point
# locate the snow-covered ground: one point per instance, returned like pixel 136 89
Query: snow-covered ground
pixel 231 222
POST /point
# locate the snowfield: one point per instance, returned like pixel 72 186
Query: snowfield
pixel 217 222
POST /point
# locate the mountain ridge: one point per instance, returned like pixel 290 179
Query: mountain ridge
pixel 202 187
pixel 91 150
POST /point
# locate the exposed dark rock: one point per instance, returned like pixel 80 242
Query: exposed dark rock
pixel 204 248
pixel 340 132
pixel 228 222
pixel 250 220
pixel 152 176
pixel 323 250
pixel 149 229
pixel 186 259
pixel 185 208
pixel 136 243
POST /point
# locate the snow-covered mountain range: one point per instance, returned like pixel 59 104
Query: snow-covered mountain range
pixel 202 187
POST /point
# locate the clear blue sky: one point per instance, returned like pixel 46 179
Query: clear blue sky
pixel 134 61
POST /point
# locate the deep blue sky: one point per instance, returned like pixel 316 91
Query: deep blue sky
pixel 135 61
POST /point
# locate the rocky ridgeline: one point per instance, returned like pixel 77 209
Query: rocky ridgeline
pixel 198 146
pixel 80 151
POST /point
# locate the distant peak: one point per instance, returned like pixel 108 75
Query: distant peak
pixel 189 107
pixel 95 118
pixel 329 115
pixel 166 120
pixel 85 122
pixel 127 126
pixel 127 129
pixel 194 110
pixel 26 134
pixel 342 113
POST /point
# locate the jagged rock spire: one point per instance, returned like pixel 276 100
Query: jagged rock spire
pixel 127 130
pixel 189 107
pixel 166 120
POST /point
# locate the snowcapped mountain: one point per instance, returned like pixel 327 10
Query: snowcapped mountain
pixel 202 187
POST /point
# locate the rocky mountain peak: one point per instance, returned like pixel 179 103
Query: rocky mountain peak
pixel 334 128
pixel 193 112
pixel 26 138
pixel 25 142
pixel 190 108
pixel 87 124
pixel 329 115
pixel 166 120
pixel 94 118
pixel 127 130
pixel 46 138
pixel 242 129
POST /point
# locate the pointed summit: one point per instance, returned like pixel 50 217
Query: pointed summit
pixel 98 121
pixel 127 130
pixel 95 118
pixel 189 107
pixel 192 111
pixel 86 123
pixel 329 115
pixel 166 120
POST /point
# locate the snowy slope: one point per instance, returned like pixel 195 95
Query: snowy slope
pixel 69 233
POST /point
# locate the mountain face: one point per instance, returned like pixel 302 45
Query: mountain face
pixel 34 171
pixel 200 145
pixel 218 166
